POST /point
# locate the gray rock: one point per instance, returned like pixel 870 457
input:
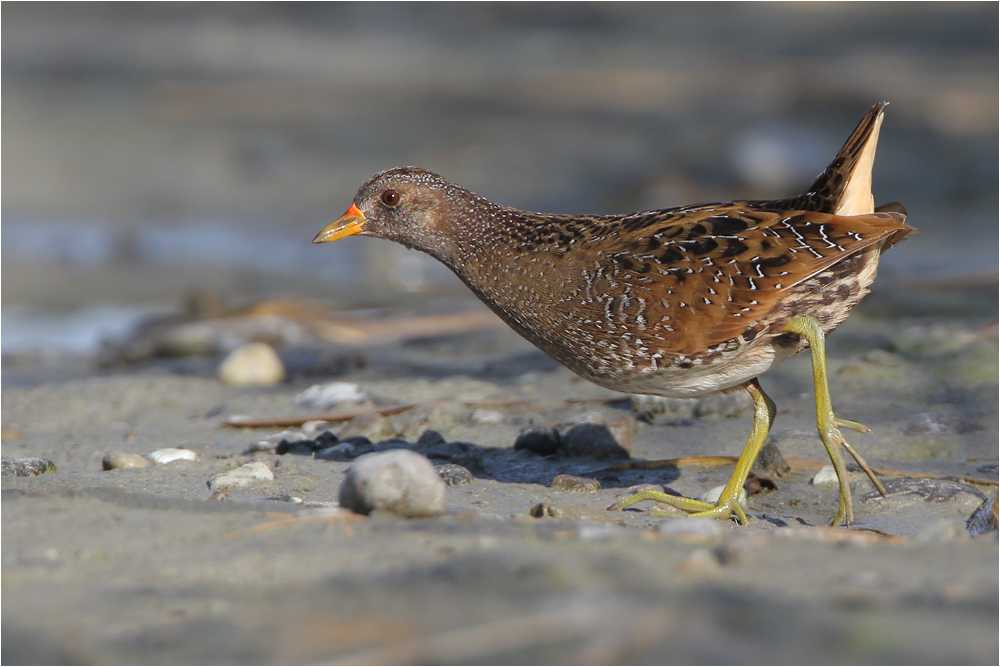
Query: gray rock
pixel 542 439
pixel 575 484
pixel 372 425
pixel 596 440
pixel 246 475
pixel 26 467
pixel 400 482
pixel 119 460
pixel 454 474
pixel 256 364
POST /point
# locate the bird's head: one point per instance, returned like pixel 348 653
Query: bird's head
pixel 409 205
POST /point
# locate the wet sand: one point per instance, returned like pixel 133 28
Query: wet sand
pixel 144 566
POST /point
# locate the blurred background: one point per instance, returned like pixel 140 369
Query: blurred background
pixel 161 157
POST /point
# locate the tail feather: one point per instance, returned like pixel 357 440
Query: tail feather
pixel 845 186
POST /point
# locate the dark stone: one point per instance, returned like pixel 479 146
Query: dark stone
pixel 596 440
pixel 325 439
pixel 770 462
pixel 429 438
pixel 301 447
pixel 542 439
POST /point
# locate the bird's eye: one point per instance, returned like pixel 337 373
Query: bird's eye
pixel 390 197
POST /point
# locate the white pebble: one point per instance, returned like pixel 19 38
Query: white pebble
pixel 484 416
pixel 246 474
pixel 256 364
pixel 326 396
pixel 399 481
pixel 171 454
pixel 713 495
pixel 827 476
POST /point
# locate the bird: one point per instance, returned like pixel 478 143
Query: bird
pixel 680 302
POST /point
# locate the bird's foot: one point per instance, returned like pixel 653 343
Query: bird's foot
pixel 727 507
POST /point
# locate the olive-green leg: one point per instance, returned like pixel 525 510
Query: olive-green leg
pixel 728 503
pixel 827 422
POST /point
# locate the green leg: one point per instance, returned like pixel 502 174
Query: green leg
pixel 728 503
pixel 827 422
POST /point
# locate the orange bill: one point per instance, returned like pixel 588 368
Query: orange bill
pixel 351 222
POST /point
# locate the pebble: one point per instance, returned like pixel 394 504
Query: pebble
pixel 330 395
pixel 575 484
pixel 26 467
pixel 118 460
pixel 253 365
pixel 344 451
pixel 371 425
pixel 713 495
pixel 542 439
pixel 770 461
pixel 325 439
pixel 171 454
pixel 400 482
pixel 454 474
pixel 596 440
pixel 245 475
pixel 431 438
pixel 827 476
pixel 485 416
